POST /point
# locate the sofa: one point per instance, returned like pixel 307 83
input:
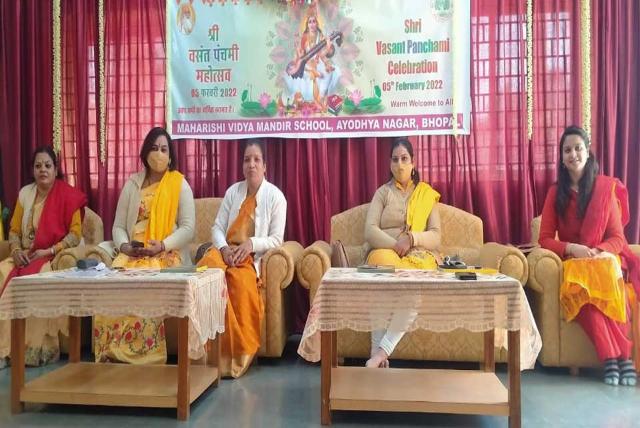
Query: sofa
pixel 462 235
pixel 564 344
pixel 276 272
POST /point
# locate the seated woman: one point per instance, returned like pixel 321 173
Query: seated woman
pixel 46 220
pixel 588 212
pixel 403 230
pixel 250 222
pixel 154 224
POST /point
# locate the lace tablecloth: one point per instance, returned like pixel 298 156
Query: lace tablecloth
pixel 200 296
pixel 348 299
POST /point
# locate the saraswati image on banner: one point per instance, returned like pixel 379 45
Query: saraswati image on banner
pixel 329 68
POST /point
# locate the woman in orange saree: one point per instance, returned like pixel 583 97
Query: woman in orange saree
pixel 156 210
pixel 250 222
pixel 588 213
pixel 46 220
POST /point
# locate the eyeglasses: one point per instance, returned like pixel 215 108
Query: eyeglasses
pixel 405 159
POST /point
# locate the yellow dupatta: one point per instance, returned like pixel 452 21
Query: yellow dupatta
pixel 420 205
pixel 164 207
pixel 597 281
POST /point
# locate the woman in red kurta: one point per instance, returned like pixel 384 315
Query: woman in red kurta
pixel 588 212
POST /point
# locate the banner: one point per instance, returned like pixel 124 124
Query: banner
pixel 333 68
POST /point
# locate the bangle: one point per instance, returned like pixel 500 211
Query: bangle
pixel 53 251
pixel 162 246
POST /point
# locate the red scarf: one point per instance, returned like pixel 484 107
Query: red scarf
pixel 63 200
pixel 597 216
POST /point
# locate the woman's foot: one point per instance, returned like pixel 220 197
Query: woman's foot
pixel 628 375
pixel 611 372
pixel 379 359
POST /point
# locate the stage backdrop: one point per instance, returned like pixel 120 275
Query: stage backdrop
pixel 331 69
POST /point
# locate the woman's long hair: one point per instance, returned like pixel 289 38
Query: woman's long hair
pixel 585 185
pixel 404 142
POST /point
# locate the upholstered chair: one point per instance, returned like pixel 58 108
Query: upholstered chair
pixel 92 234
pixel 277 271
pixel 564 344
pixel 461 235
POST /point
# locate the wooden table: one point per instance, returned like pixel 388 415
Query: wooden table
pixel 416 390
pixel 84 383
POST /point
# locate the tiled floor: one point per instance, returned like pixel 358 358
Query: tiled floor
pixel 286 393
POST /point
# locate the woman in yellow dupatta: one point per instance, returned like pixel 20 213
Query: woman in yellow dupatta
pixel 250 222
pixel 583 221
pixel 403 230
pixel 154 224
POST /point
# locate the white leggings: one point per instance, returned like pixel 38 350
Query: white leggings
pixel 388 339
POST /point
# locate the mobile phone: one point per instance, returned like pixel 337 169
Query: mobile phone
pixel 466 276
pixel 136 244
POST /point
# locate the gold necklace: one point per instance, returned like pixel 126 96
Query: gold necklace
pixel 30 226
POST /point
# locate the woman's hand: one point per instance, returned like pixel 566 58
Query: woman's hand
pixel 38 254
pixel 227 256
pixel 153 247
pixel 579 251
pixel 130 250
pixel 327 42
pixel 595 252
pixel 403 244
pixel 242 251
pixel 20 258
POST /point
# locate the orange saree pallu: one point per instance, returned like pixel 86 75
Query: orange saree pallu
pixel 241 338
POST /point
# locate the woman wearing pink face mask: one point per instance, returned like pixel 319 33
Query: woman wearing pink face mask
pixel 403 229
pixel 154 224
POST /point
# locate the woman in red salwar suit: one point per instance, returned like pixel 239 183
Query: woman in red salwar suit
pixel 588 212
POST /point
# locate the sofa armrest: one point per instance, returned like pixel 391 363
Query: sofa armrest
pixel 507 259
pixel 68 257
pixel 277 265
pixel 545 271
pixel 99 253
pixel 314 262
pixel 5 249
pixel 545 277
